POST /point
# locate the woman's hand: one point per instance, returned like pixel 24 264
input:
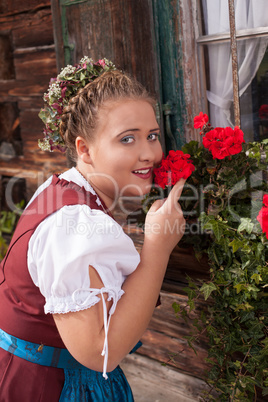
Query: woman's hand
pixel 165 224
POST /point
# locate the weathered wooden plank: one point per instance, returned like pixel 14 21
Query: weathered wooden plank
pixel 11 190
pixel 128 40
pixel 165 337
pixel 164 319
pixel 58 33
pixel 183 262
pixel 20 168
pixel 150 381
pixel 192 61
pixel 34 103
pixel 37 30
pixel 13 90
pixel 39 64
pixel 7 70
pixel 31 126
pixel 133 42
pixel 35 172
pixel 9 122
pixel 24 88
pixel 17 7
pixel 161 347
pixel 23 167
pixel 33 153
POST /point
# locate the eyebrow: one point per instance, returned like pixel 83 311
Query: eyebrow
pixel 137 129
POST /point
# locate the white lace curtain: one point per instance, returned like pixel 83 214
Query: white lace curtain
pixel 248 14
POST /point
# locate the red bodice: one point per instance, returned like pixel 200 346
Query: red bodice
pixel 22 304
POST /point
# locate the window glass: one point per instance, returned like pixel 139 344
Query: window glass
pixel 252 57
pixel 215 17
pixel 254 104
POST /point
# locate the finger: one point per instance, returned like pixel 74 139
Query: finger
pixel 175 192
pixel 156 205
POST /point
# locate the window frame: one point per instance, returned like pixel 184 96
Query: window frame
pixel 233 36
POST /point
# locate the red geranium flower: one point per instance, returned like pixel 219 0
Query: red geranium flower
pixel 234 140
pixel 263 215
pixel 200 120
pixel 174 167
pixel 263 112
pixel 211 137
pixel 222 142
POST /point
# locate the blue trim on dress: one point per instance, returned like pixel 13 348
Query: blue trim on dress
pixel 40 354
pixel 81 384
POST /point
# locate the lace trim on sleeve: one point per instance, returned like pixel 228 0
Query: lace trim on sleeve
pixel 113 294
pixel 64 305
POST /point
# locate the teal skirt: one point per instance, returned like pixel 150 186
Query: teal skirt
pixel 89 385
pixel 81 384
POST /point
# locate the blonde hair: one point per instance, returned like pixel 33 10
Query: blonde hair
pixel 80 116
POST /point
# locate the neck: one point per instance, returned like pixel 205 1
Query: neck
pixel 109 202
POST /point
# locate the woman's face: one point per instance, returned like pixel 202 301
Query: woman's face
pixel 125 150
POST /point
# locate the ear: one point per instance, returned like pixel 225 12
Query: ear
pixel 82 149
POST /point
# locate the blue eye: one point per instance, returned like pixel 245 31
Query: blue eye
pixel 127 140
pixel 154 136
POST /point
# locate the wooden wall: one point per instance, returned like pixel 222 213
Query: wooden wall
pixel 28 61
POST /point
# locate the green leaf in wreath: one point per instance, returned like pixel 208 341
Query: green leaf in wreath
pixel 82 76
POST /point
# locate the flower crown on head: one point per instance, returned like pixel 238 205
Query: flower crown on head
pixel 61 89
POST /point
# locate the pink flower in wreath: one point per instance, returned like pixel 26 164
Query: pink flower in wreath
pixel 102 63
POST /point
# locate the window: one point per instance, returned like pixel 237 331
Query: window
pixel 214 48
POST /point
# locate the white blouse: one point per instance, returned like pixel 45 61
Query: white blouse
pixel 64 245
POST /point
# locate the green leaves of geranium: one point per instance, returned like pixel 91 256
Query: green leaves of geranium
pixel 236 293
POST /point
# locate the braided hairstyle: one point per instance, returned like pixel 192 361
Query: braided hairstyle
pixel 80 116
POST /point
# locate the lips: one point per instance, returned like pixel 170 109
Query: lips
pixel 144 173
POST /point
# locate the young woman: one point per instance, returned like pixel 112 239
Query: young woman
pixel 75 295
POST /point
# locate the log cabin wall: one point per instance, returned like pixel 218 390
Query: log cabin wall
pixel 29 59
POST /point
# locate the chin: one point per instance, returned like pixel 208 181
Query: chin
pixel 136 189
pixel 139 192
pixel 142 191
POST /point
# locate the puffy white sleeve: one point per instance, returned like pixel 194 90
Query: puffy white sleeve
pixel 61 250
pixel 59 254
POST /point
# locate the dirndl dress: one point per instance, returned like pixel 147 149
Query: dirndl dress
pixel 34 363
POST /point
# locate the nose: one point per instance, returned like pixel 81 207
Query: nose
pixel 148 152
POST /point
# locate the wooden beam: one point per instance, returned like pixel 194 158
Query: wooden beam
pixel 234 62
pixel 57 31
